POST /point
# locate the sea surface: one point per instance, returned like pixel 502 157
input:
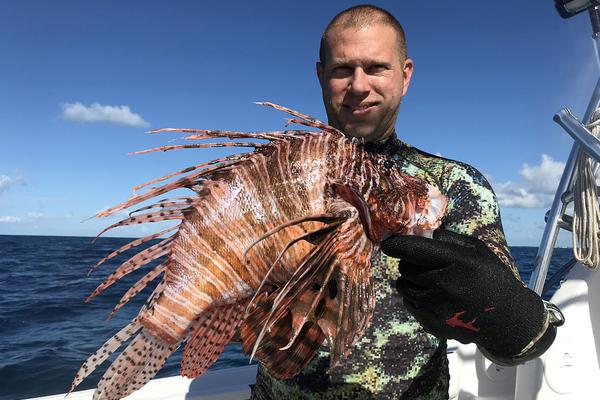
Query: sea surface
pixel 47 330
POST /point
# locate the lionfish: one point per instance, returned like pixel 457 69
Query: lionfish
pixel 276 243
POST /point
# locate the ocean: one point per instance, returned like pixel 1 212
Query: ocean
pixel 47 330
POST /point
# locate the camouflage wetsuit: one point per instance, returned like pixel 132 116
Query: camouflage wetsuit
pixel 396 359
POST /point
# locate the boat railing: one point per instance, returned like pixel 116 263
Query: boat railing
pixel 584 143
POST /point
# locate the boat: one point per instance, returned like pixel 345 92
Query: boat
pixel 568 370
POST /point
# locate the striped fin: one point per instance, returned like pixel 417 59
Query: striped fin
pixel 215 328
pixel 134 367
pixel 130 245
pixel 286 363
pixel 350 299
pixel 201 146
pixel 333 291
pixel 104 352
pixel 138 287
pixel 179 203
pixel 163 215
pixel 140 259
pixel 306 119
pixel 211 134
pixel 225 161
pixel 298 283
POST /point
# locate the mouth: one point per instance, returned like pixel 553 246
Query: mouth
pixel 359 109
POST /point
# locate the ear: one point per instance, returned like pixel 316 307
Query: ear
pixel 320 73
pixel 407 71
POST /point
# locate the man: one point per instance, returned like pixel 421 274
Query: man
pixel 462 284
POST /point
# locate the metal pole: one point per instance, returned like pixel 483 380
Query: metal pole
pixel 582 136
pixel 546 248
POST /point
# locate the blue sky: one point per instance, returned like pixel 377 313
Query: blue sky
pixel 488 78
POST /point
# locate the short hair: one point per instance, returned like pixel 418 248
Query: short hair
pixel 362 16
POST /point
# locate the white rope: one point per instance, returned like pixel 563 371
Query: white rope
pixel 586 213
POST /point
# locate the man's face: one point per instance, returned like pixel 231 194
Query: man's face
pixel 363 79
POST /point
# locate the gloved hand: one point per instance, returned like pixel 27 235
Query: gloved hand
pixel 457 288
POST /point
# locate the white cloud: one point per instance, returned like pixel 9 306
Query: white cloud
pixel 9 219
pixel 537 188
pixel 96 112
pixel 6 182
pixel 35 215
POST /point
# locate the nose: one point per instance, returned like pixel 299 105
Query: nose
pixel 359 84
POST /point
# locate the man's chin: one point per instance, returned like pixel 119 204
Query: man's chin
pixel 359 132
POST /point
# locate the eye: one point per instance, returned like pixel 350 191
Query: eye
pixel 341 71
pixel 377 69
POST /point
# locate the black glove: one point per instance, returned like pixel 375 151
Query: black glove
pixel 457 288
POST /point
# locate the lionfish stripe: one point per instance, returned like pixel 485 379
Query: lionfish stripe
pixel 227 272
pixel 138 287
pixel 214 330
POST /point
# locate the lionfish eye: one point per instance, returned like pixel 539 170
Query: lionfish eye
pixel 388 164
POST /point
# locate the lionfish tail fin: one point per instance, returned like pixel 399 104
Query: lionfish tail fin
pixel 213 331
pixel 134 367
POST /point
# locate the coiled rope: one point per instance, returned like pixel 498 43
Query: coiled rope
pixel 586 213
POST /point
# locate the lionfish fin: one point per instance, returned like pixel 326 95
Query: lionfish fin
pixel 309 236
pixel 230 160
pixel 215 328
pixel 306 119
pixel 331 291
pixel 104 352
pixel 130 245
pixel 282 364
pixel 350 300
pixel 134 367
pixel 200 146
pixel 138 287
pixel 137 261
pixel 299 280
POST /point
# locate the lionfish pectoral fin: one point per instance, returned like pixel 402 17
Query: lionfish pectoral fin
pixel 347 303
pixel 286 363
pixel 214 330
pixel 312 236
pixel 285 319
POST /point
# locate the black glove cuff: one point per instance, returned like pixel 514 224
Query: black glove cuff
pixel 538 345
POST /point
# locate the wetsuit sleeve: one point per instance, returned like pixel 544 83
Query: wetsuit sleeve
pixel 474 211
